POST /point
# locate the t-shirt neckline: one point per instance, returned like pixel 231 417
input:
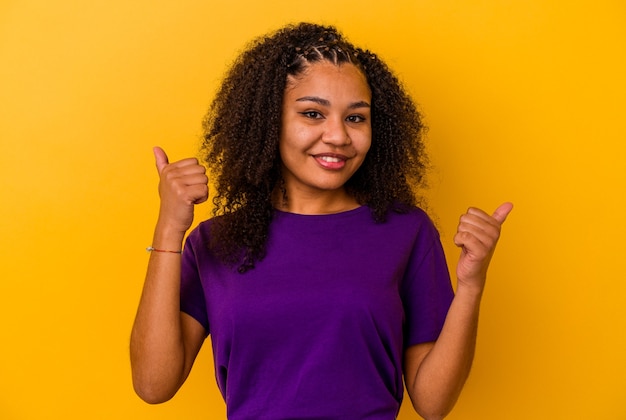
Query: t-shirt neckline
pixel 346 213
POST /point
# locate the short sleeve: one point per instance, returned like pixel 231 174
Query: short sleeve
pixel 426 290
pixel 192 300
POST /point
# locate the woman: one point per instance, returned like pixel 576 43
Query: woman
pixel 321 282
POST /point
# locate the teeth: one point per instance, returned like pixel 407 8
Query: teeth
pixel 330 159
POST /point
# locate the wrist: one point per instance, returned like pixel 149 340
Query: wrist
pixel 471 290
pixel 167 236
pixel 173 221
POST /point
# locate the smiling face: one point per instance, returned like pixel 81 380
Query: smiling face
pixel 326 130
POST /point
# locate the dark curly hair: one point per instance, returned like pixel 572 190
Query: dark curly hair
pixel 242 132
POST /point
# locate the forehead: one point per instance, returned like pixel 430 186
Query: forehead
pixel 324 75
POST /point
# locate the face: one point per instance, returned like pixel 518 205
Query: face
pixel 326 128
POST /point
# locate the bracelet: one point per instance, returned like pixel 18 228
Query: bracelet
pixel 150 249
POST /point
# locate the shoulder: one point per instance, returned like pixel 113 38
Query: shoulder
pixel 411 217
pixel 200 236
pixel 203 228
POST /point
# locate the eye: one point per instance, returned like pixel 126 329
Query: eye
pixel 355 118
pixel 311 114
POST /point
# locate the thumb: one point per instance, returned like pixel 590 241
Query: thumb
pixel 160 158
pixel 502 212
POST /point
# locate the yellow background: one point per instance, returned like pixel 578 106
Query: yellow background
pixel 525 101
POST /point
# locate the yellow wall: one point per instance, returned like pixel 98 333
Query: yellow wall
pixel 525 102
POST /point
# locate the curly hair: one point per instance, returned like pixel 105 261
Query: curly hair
pixel 242 133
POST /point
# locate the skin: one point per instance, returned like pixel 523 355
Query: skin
pixel 325 137
pixel 435 372
pixel 165 341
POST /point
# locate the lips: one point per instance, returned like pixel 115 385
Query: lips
pixel 331 160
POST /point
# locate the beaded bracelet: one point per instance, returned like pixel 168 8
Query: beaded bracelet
pixel 150 249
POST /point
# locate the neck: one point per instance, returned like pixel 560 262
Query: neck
pixel 321 203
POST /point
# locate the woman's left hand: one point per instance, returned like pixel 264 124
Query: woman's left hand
pixel 477 236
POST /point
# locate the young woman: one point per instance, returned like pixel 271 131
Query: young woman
pixel 323 285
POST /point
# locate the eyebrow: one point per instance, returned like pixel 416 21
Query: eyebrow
pixel 326 102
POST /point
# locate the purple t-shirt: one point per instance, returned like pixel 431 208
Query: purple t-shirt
pixel 318 328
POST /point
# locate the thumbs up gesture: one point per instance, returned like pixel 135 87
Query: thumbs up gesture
pixel 182 185
pixel 477 236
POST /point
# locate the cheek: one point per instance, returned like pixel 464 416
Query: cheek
pixel 368 145
pixel 289 148
pixel 365 143
pixel 297 139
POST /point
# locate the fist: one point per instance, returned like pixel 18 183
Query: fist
pixel 477 236
pixel 182 185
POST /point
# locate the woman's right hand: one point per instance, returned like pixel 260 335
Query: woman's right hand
pixel 164 341
pixel 182 185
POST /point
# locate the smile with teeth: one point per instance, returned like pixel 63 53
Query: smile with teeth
pixel 331 161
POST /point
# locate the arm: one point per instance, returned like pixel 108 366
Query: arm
pixel 436 372
pixel 164 341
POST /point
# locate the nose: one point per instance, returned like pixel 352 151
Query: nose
pixel 336 133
